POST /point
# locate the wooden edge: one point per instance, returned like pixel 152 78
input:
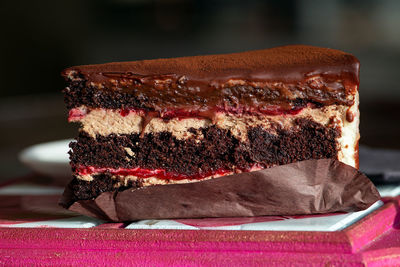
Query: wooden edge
pixel 111 244
pixel 373 225
pixel 350 240
pixel 127 239
pixel 382 257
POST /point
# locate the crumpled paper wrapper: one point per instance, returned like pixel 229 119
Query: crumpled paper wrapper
pixel 305 187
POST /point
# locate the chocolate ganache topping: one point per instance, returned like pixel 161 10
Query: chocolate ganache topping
pixel 281 79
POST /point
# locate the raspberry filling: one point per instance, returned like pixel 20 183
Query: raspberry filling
pixel 146 173
pixel 77 114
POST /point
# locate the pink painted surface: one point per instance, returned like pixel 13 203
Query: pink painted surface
pixel 373 226
pixel 373 241
pixel 98 246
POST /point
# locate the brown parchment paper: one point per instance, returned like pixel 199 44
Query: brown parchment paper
pixel 305 187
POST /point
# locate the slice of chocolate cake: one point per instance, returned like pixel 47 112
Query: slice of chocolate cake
pixel 188 119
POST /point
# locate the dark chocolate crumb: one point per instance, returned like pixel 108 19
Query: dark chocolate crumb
pixel 218 149
pixel 103 182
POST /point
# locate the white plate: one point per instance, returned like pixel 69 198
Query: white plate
pixel 50 159
pixel 329 223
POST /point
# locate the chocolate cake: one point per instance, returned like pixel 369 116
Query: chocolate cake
pixel 189 119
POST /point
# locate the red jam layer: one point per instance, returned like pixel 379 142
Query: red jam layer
pixel 76 114
pixel 145 173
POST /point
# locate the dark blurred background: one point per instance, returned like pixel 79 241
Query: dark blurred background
pixel 40 38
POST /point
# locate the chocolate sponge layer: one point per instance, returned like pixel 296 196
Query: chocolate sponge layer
pixel 217 149
pixel 103 182
pixel 79 93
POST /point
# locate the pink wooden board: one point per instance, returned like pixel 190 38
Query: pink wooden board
pixel 373 240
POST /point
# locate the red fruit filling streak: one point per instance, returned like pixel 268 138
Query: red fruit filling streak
pixel 145 173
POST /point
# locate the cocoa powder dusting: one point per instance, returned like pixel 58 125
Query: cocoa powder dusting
pixel 254 79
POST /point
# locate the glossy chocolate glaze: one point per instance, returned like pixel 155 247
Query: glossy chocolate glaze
pixel 253 80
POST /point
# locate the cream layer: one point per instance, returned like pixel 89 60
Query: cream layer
pixel 106 121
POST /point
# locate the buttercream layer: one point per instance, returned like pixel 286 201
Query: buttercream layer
pixel 108 121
